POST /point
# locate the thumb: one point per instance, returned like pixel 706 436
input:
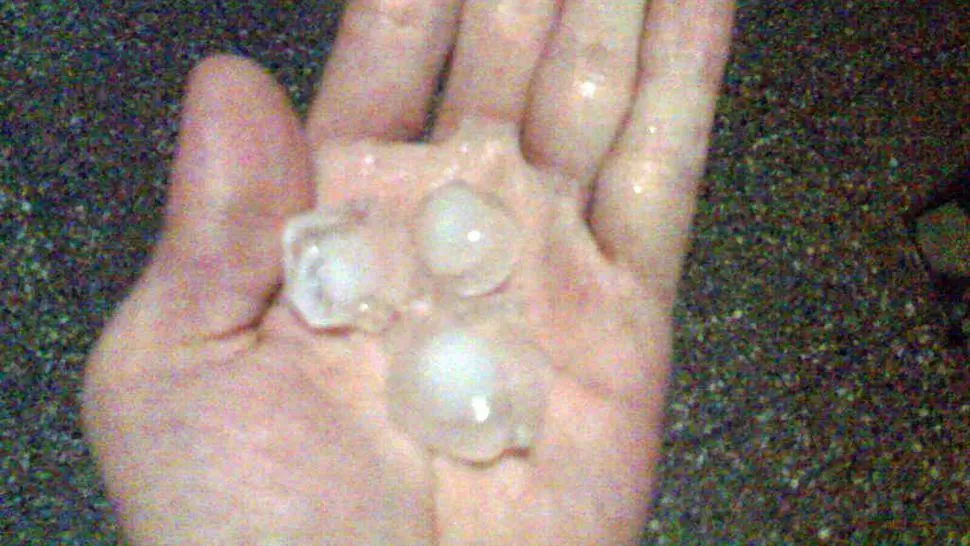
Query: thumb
pixel 241 168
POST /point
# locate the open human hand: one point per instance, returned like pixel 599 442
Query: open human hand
pixel 218 417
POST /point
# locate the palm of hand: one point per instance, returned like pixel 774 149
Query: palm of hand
pixel 218 418
pixel 270 428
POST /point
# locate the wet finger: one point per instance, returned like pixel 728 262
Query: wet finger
pixel 498 48
pixel 584 87
pixel 644 199
pixel 381 75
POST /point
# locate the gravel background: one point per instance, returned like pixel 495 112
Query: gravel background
pixel 814 398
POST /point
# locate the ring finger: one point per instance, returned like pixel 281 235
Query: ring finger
pixel 584 86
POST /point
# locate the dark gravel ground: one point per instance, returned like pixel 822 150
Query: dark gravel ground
pixel 814 398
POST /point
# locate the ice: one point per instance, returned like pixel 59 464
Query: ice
pixel 465 377
pixel 470 387
pixel 467 239
pixel 333 274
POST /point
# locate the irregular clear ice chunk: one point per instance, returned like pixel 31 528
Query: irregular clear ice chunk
pixel 467 239
pixel 333 276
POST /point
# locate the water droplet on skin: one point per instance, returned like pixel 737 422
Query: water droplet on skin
pixel 467 386
pixel 466 239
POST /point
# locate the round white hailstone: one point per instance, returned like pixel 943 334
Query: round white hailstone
pixel 466 238
pixel 469 389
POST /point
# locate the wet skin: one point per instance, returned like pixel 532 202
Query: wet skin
pixel 218 418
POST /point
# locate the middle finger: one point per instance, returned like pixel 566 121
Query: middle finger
pixel 499 45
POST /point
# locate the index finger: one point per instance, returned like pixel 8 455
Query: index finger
pixel 644 199
pixel 381 76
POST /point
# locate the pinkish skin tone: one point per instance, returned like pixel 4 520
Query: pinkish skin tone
pixel 219 418
pixel 465 379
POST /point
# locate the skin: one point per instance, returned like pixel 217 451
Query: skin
pixel 217 418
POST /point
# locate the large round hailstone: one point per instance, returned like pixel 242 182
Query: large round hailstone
pixel 467 239
pixel 332 274
pixel 468 389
